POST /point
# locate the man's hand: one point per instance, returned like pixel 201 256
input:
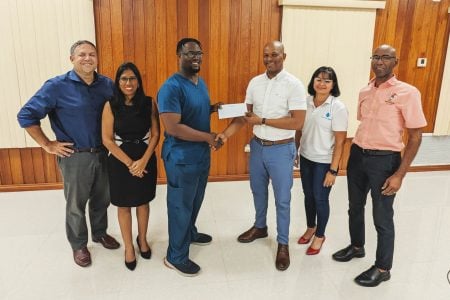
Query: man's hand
pixel 61 149
pixel 252 118
pixel 392 185
pixel 215 107
pixel 212 141
pixel 297 161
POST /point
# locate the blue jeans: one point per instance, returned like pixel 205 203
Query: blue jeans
pixel 276 163
pixel 369 172
pixel 186 185
pixel 317 202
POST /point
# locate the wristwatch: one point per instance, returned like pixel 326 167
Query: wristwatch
pixel 333 172
pixel 263 121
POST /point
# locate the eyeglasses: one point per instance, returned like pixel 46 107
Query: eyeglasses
pixel 126 79
pixel 192 54
pixel 321 80
pixel 383 58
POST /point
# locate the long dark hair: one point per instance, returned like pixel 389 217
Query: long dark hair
pixel 119 98
pixel 332 76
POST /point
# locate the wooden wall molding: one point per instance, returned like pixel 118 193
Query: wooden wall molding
pixel 363 4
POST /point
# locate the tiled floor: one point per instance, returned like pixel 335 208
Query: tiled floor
pixel 36 260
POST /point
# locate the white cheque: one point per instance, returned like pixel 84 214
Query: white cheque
pixel 232 110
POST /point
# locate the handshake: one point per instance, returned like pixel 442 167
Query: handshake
pixel 216 141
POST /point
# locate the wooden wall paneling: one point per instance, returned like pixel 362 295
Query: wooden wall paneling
pixel 49 167
pixel 213 68
pixel 275 20
pixel 208 36
pixel 171 38
pixel 182 19
pixel 26 159
pixel 128 17
pixel 5 168
pixel 118 31
pixel 193 20
pixel 57 171
pixel 151 65
pixel 38 165
pixel 245 50
pixel 223 73
pixel 102 12
pixel 233 78
pixel 139 55
pixel 16 166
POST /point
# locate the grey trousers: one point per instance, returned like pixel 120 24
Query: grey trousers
pixel 85 179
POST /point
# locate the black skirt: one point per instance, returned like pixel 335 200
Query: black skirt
pixel 127 190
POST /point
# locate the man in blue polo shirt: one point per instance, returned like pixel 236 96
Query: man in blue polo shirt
pixel 74 102
pixel 185 109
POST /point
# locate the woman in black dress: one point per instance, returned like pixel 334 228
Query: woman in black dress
pixel 130 131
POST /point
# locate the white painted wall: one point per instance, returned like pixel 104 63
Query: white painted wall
pixel 331 35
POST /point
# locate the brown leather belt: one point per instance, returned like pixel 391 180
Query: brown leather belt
pixel 271 143
pixel 375 152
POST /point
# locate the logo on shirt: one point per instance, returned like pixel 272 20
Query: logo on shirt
pixel 327 116
pixel 392 99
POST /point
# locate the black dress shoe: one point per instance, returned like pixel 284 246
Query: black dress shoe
pixel 147 254
pixel 348 253
pixel 372 277
pixel 202 239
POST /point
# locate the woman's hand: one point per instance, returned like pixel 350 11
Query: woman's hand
pixel 137 168
pixel 329 179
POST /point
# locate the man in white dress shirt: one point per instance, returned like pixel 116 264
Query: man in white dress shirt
pixel 276 104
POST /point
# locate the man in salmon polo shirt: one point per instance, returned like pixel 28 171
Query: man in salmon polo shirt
pixel 386 107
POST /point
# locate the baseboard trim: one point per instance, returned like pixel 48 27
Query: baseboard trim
pixel 217 178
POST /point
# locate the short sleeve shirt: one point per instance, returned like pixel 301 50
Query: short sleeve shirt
pixel 273 99
pixel 317 142
pixel 180 95
pixel 385 111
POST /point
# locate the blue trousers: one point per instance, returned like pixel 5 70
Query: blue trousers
pixel 369 172
pixel 316 195
pixel 275 163
pixel 186 184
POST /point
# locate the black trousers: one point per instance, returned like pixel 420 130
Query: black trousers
pixel 368 172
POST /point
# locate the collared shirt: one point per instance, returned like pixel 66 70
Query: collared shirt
pixel 385 111
pixel 180 95
pixel 73 107
pixel 317 142
pixel 273 99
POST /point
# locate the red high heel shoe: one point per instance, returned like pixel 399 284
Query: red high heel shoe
pixel 302 240
pixel 312 251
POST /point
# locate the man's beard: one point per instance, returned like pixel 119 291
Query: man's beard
pixel 195 71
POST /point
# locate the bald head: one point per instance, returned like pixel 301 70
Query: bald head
pixel 276 45
pixel 273 58
pixel 388 49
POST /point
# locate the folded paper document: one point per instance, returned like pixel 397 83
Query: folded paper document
pixel 232 110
